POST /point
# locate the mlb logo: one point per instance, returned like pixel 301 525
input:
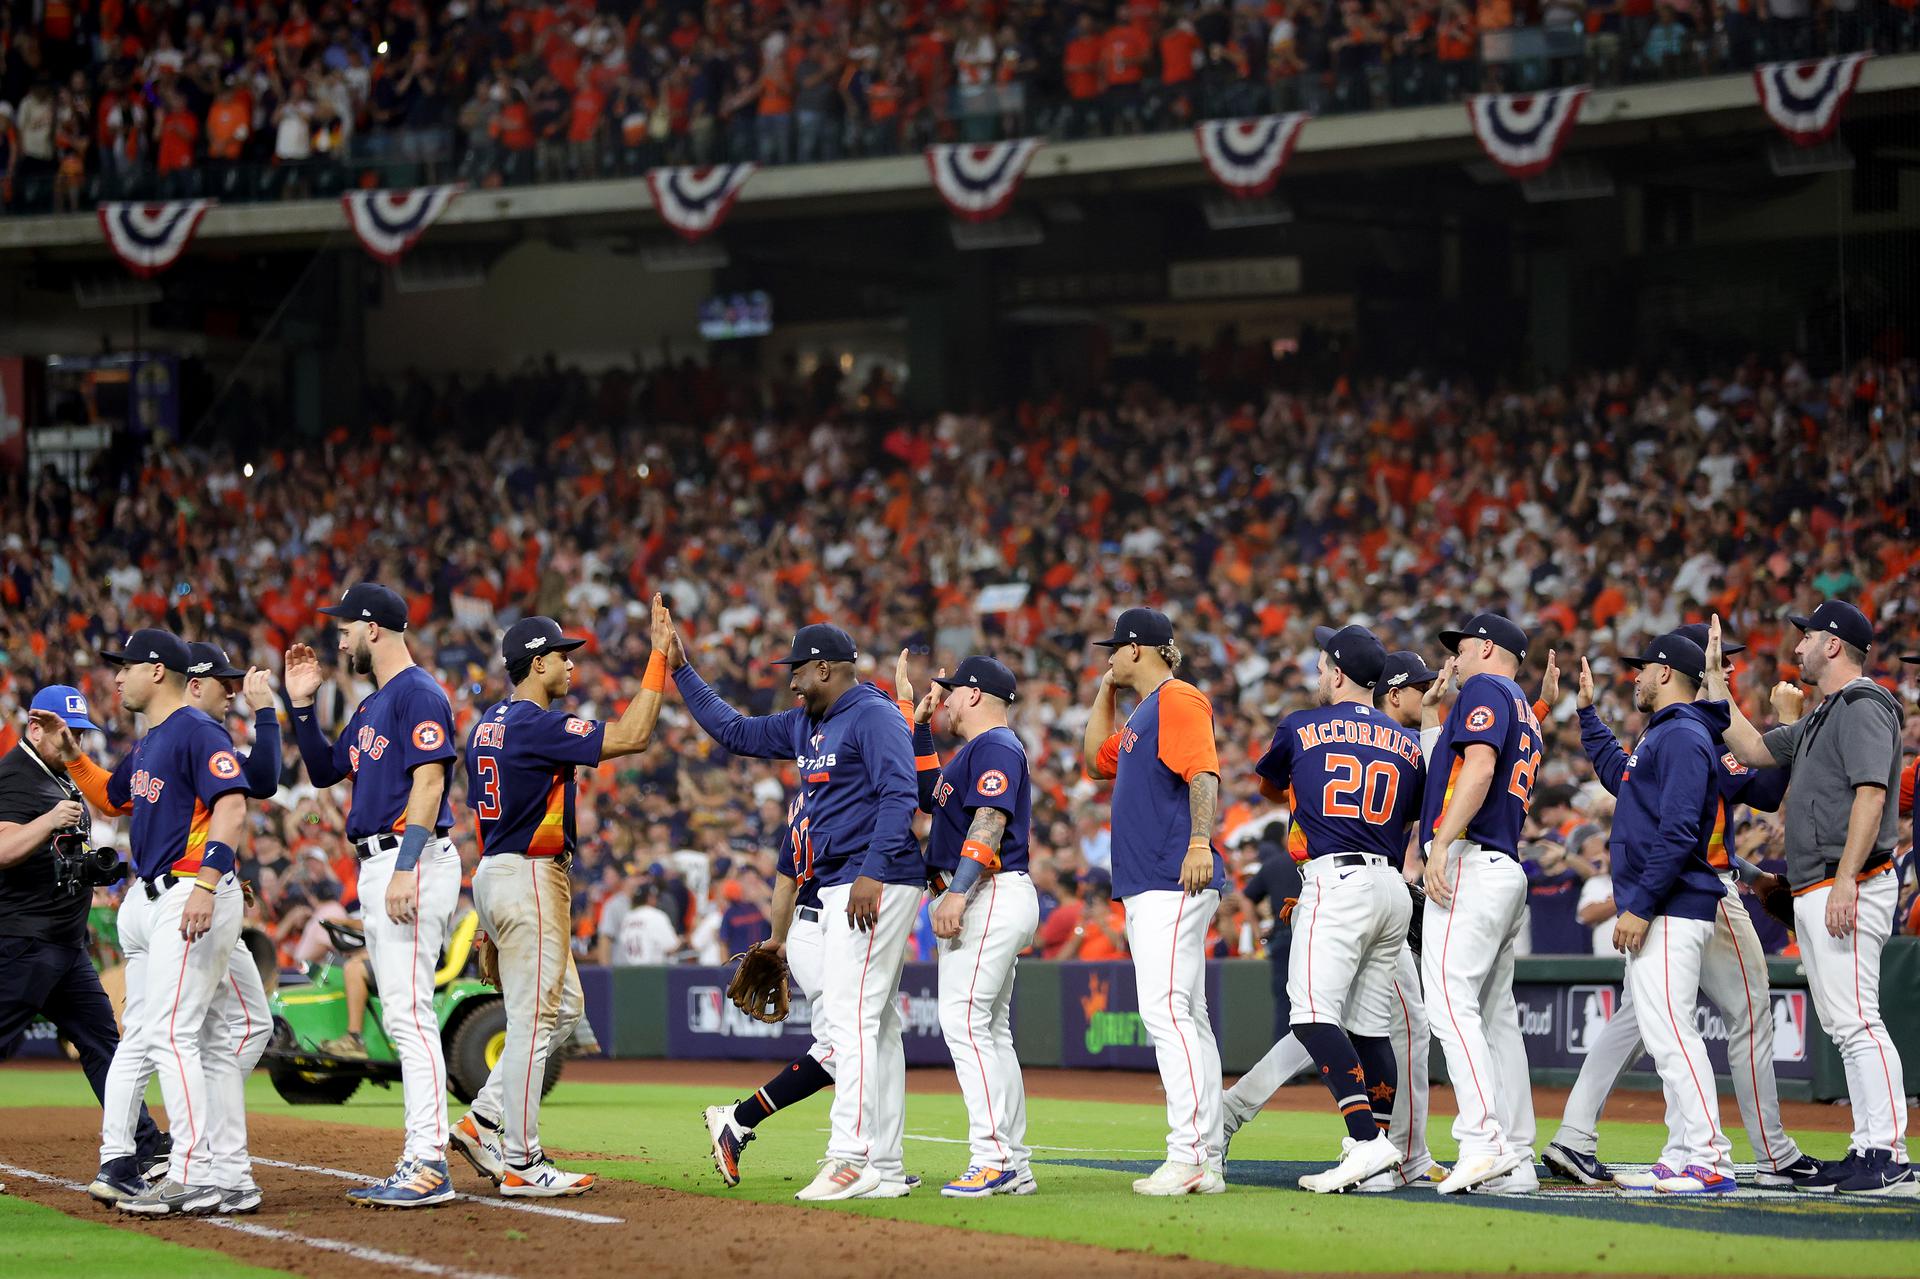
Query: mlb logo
pixel 1589 1009
pixel 704 1005
pixel 1789 1025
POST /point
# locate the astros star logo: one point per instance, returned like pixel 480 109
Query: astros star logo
pixel 1359 1075
pixel 1381 1092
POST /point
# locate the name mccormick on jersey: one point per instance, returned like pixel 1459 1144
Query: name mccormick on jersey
pixel 1347 732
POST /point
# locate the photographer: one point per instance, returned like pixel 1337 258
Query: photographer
pixel 46 886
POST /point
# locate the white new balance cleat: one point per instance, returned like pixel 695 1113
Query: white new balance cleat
pixel 1176 1178
pixel 544 1181
pixel 1472 1170
pixel 1359 1160
pixel 481 1147
pixel 840 1179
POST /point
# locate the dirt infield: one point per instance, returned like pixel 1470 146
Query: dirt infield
pixel 1138 1086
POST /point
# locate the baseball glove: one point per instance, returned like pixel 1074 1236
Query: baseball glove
pixel 489 957
pixel 1415 922
pixel 759 985
pixel 1774 894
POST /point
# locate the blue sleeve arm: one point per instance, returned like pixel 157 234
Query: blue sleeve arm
pixel 884 744
pixel 316 752
pixel 262 767
pixel 758 736
pixel 1686 773
pixel 926 764
pixel 1764 789
pixel 1603 749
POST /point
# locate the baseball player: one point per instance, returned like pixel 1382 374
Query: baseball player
pixel 1399 694
pixel 521 759
pixel 1356 778
pixel 183 917
pixel 245 1021
pixel 1668 894
pixel 1844 759
pixel 851 826
pixel 981 801
pixel 1488 749
pixel 398 749
pixel 1166 795
pixel 1733 973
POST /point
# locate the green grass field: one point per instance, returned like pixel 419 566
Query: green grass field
pixel 1087 1152
pixel 36 1240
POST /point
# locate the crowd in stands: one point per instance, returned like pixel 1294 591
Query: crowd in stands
pixel 1599 510
pixel 100 99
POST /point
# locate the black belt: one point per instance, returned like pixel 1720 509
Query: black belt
pixel 158 886
pixel 1356 859
pixel 809 913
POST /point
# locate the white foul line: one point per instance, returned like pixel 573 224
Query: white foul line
pixel 359 1252
pixel 1065 1150
pixel 568 1214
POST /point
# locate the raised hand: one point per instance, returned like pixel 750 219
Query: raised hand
pixel 1789 702
pixel 1550 682
pixel 1584 693
pixel 923 712
pixel 302 676
pixel 902 686
pixel 258 688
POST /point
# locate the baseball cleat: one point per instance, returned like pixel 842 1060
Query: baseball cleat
pixel 541 1180
pixel 1879 1175
pixel 1424 1175
pixel 171 1199
pixel 728 1140
pixel 1576 1166
pixel 889 1188
pixel 840 1179
pixel 1177 1178
pixel 153 1165
pixel 1523 1180
pixel 480 1145
pixel 402 1169
pixel 1647 1180
pixel 1798 1173
pixel 420 1183
pixel 1697 1180
pixel 913 1181
pixel 235 1200
pixel 117 1180
pixel 1831 1174
pixel 1359 1160
pixel 1471 1170
pixel 979 1183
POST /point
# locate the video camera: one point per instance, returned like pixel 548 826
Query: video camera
pixel 79 867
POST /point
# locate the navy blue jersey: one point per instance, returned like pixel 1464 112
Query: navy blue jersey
pixel 988 771
pixel 1357 779
pixel 1491 711
pixel 170 779
pixel 520 762
pixel 406 723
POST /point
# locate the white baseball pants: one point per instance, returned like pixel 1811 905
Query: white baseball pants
pixel 861 988
pixel 1844 974
pixel 807 961
pixel 1664 976
pixel 404 958
pixel 1467 966
pixel 976 999
pixel 526 906
pixel 1167 933
pixel 1733 973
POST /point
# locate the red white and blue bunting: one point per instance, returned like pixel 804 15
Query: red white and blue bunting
pixel 978 181
pixel 1523 132
pixel 149 238
pixel 1246 156
pixel 390 222
pixel 695 200
pixel 1805 98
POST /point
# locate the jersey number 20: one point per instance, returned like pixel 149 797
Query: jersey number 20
pixel 1376 788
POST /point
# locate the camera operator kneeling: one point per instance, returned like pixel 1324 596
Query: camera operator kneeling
pixel 48 871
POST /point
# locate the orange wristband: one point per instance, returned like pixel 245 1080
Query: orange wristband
pixel 975 851
pixel 655 680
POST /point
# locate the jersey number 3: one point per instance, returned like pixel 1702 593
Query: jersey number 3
pixel 489 770
pixel 1376 788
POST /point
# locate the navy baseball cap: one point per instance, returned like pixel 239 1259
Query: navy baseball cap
pixel 1697 632
pixel 209 662
pixel 820 643
pixel 152 645
pixel 1502 631
pixel 1406 669
pixel 67 702
pixel 1147 626
pixel 529 637
pixel 1910 657
pixel 1675 650
pixel 985 674
pixel 1837 617
pixel 371 602
pixel 1355 651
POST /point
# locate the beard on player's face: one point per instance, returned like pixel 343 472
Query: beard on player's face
pixel 1323 686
